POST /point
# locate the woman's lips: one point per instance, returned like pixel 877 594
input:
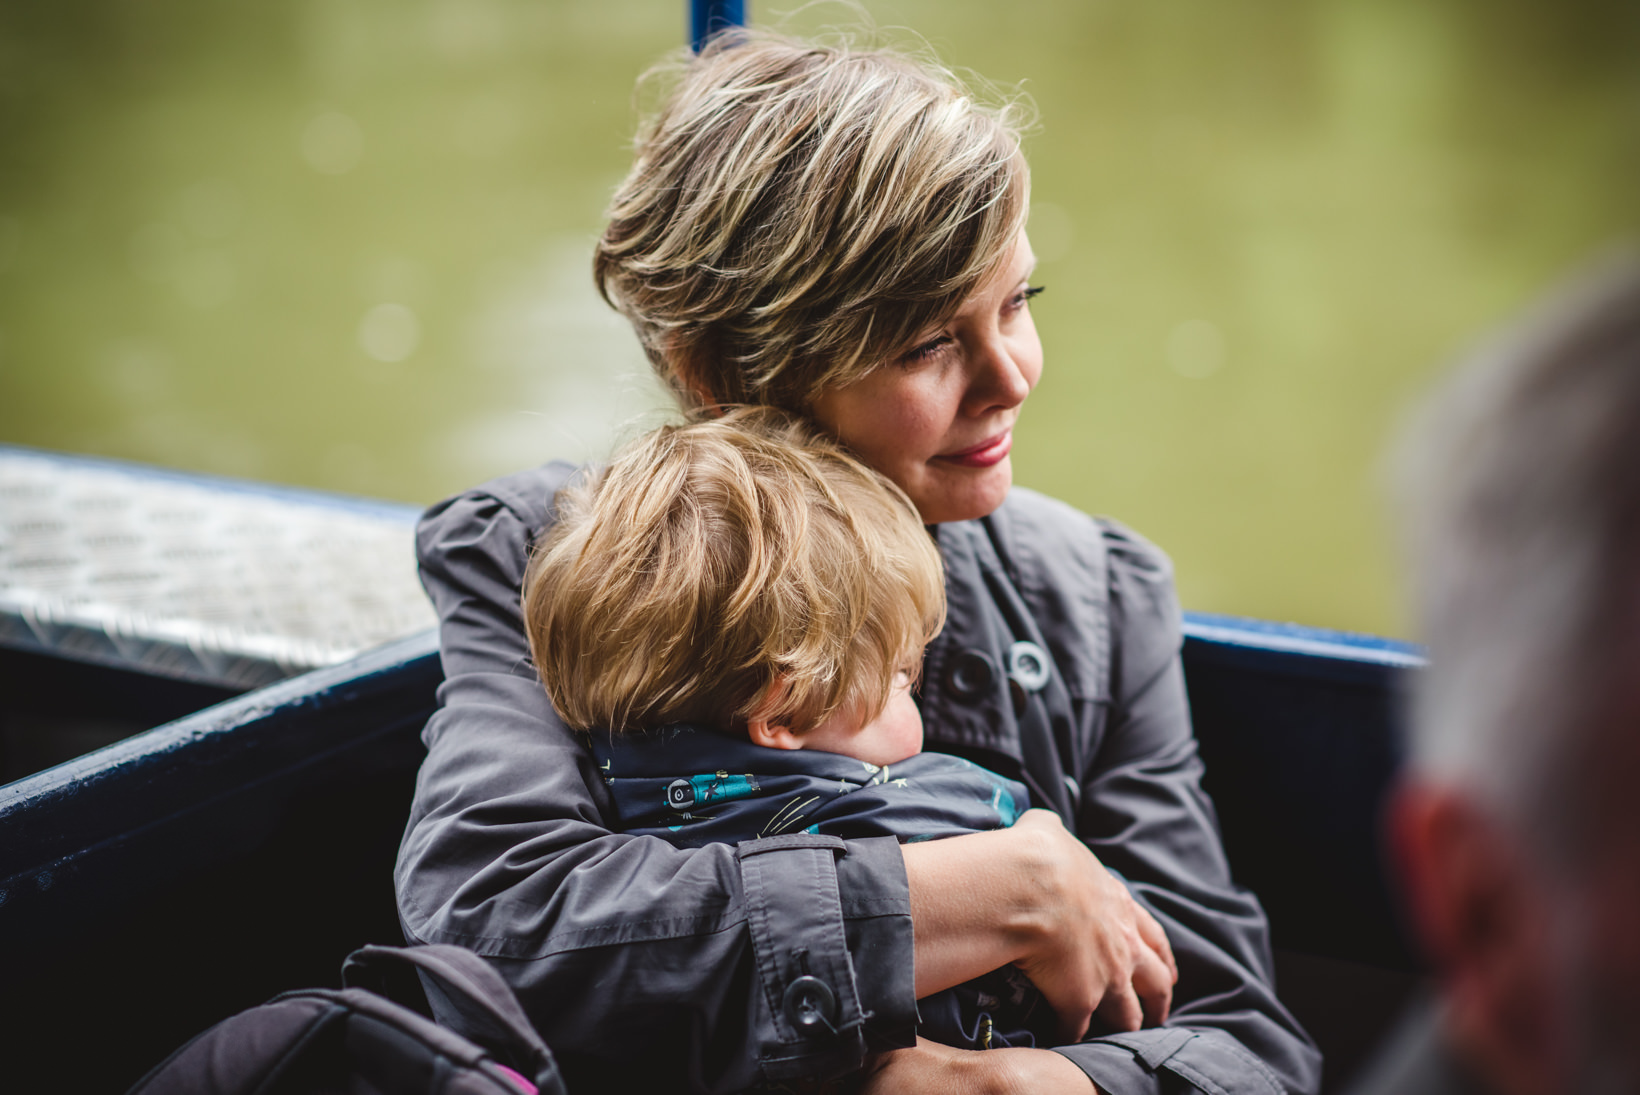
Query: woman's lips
pixel 987 453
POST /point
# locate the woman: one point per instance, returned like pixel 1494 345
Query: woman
pixel 842 234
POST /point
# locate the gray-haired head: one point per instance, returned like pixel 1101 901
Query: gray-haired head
pixel 1521 480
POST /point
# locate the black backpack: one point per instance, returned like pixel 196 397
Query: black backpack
pixel 352 1041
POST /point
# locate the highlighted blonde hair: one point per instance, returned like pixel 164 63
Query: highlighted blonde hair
pixel 738 566
pixel 798 214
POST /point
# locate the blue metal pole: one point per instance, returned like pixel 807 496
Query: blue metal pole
pixel 707 17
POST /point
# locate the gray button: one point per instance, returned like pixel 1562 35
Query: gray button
pixel 1028 666
pixel 811 1006
pixel 971 675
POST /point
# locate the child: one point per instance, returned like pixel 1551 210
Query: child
pixel 737 608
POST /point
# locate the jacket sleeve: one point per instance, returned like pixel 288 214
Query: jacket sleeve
pixel 1145 815
pixel 612 940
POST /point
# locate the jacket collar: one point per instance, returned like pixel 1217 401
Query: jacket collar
pixel 965 699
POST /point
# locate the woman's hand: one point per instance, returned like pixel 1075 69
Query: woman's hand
pixel 1034 895
pixel 929 1068
pixel 1090 931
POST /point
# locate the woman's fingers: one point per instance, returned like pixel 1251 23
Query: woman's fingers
pixel 1071 988
pixel 1156 939
pixel 1121 1009
pixel 1065 954
pixel 1075 1021
pixel 1097 950
pixel 1154 972
pixel 1145 998
pixel 1153 984
pixel 1080 955
pixel 1035 895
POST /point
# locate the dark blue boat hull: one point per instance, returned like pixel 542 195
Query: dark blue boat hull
pixel 199 868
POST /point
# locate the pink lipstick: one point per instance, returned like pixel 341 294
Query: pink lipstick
pixel 987 453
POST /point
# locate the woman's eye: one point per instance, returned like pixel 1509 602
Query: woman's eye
pixel 927 349
pixel 1027 293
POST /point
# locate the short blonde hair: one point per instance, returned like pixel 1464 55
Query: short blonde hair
pixel 738 566
pixel 798 214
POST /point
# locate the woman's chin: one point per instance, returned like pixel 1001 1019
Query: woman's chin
pixel 954 493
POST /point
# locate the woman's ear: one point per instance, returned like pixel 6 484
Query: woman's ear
pixel 689 377
pixel 772 735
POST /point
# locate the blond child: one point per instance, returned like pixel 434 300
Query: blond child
pixel 735 610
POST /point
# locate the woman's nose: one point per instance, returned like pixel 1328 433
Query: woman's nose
pixel 1000 376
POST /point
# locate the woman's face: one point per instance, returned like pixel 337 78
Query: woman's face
pixel 939 419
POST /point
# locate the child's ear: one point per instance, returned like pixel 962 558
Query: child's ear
pixel 772 735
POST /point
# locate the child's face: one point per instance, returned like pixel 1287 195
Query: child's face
pixel 893 735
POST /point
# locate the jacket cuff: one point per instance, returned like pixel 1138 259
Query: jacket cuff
pixel 806 968
pixel 877 923
pixel 1156 1060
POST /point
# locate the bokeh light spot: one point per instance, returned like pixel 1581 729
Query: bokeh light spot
pixel 135 369
pixel 211 208
pixel 1052 232
pixel 466 30
pixel 332 143
pixel 154 251
pixel 1195 349
pixel 489 125
pixel 389 332
pixel 206 278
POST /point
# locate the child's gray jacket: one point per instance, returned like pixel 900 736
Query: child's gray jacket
pixel 708 958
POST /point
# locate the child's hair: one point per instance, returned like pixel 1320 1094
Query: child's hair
pixel 734 567
pixel 799 213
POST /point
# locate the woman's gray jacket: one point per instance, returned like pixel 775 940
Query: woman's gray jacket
pixel 649 967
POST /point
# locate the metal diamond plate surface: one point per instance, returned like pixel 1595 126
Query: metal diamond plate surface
pixel 197 578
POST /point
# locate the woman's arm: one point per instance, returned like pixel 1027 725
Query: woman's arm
pixel 613 940
pixel 610 938
pixel 929 1068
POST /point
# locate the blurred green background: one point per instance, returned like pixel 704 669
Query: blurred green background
pixel 345 243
